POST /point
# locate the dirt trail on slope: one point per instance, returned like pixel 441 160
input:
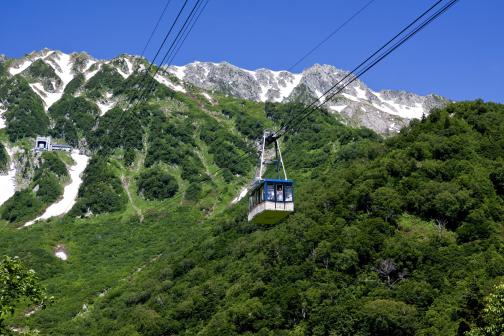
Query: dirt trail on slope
pixel 125 184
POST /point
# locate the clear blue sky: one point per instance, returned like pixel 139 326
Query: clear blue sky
pixel 460 56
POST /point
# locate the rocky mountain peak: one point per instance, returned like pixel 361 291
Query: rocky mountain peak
pixel 383 111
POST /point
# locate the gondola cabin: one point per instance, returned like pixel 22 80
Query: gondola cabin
pixel 270 201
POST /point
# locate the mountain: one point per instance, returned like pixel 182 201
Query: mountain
pixel 142 229
pixel 386 111
pixel 50 72
pixel 395 237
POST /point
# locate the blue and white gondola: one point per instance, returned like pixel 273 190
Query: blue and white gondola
pixel 271 200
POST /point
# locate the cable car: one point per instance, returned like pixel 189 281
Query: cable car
pixel 271 200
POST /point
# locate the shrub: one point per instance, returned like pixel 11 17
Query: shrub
pixel 51 162
pixel 154 184
pixel 21 207
pixel 49 188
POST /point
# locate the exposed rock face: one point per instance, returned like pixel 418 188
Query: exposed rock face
pixel 387 111
pixel 384 111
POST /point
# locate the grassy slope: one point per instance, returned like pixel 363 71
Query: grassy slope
pixel 323 271
pixel 314 273
pixel 108 249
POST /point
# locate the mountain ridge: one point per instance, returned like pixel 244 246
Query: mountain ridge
pixel 384 111
pixel 392 109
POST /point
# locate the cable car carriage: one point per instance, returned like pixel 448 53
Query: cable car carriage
pixel 271 200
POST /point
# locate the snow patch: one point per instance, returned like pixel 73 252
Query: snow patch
pixel 350 97
pixel 241 195
pixel 338 108
pixel 285 91
pixel 63 67
pixel 276 80
pixel 48 98
pixel 404 111
pixel 263 96
pixel 361 93
pixel 178 71
pixel 32 311
pixel 168 83
pixel 22 67
pixel 60 252
pixel 207 96
pixel 89 74
pixel 70 191
pixel 61 63
pixel 89 64
pixel 61 255
pixel 105 104
pixel 129 65
pixel 8 181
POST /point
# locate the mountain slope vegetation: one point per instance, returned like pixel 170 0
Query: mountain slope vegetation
pixel 391 236
pixel 398 236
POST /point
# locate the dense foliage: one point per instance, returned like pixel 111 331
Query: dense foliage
pixel 25 116
pixel 492 323
pixel 226 149
pixel 172 142
pixel 154 183
pixel 17 283
pixel 74 85
pixel 52 162
pixel 2 69
pixel 4 158
pixel 46 187
pixel 101 190
pixel 105 80
pixel 74 119
pixel 118 129
pixel 40 71
pixel 394 237
pixel 21 207
pixel 138 85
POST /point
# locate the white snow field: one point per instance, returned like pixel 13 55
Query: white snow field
pixel 404 111
pixel 207 96
pixel 61 255
pixel 337 108
pixel 8 182
pixel 166 82
pixel 241 195
pixel 106 104
pixel 70 192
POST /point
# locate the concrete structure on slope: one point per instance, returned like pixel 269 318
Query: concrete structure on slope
pixel 43 144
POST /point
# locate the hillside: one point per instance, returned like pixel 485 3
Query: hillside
pixel 392 236
pixel 395 237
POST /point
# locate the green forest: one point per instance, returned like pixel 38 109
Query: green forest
pixel 50 174
pixel 391 236
pixel 398 235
